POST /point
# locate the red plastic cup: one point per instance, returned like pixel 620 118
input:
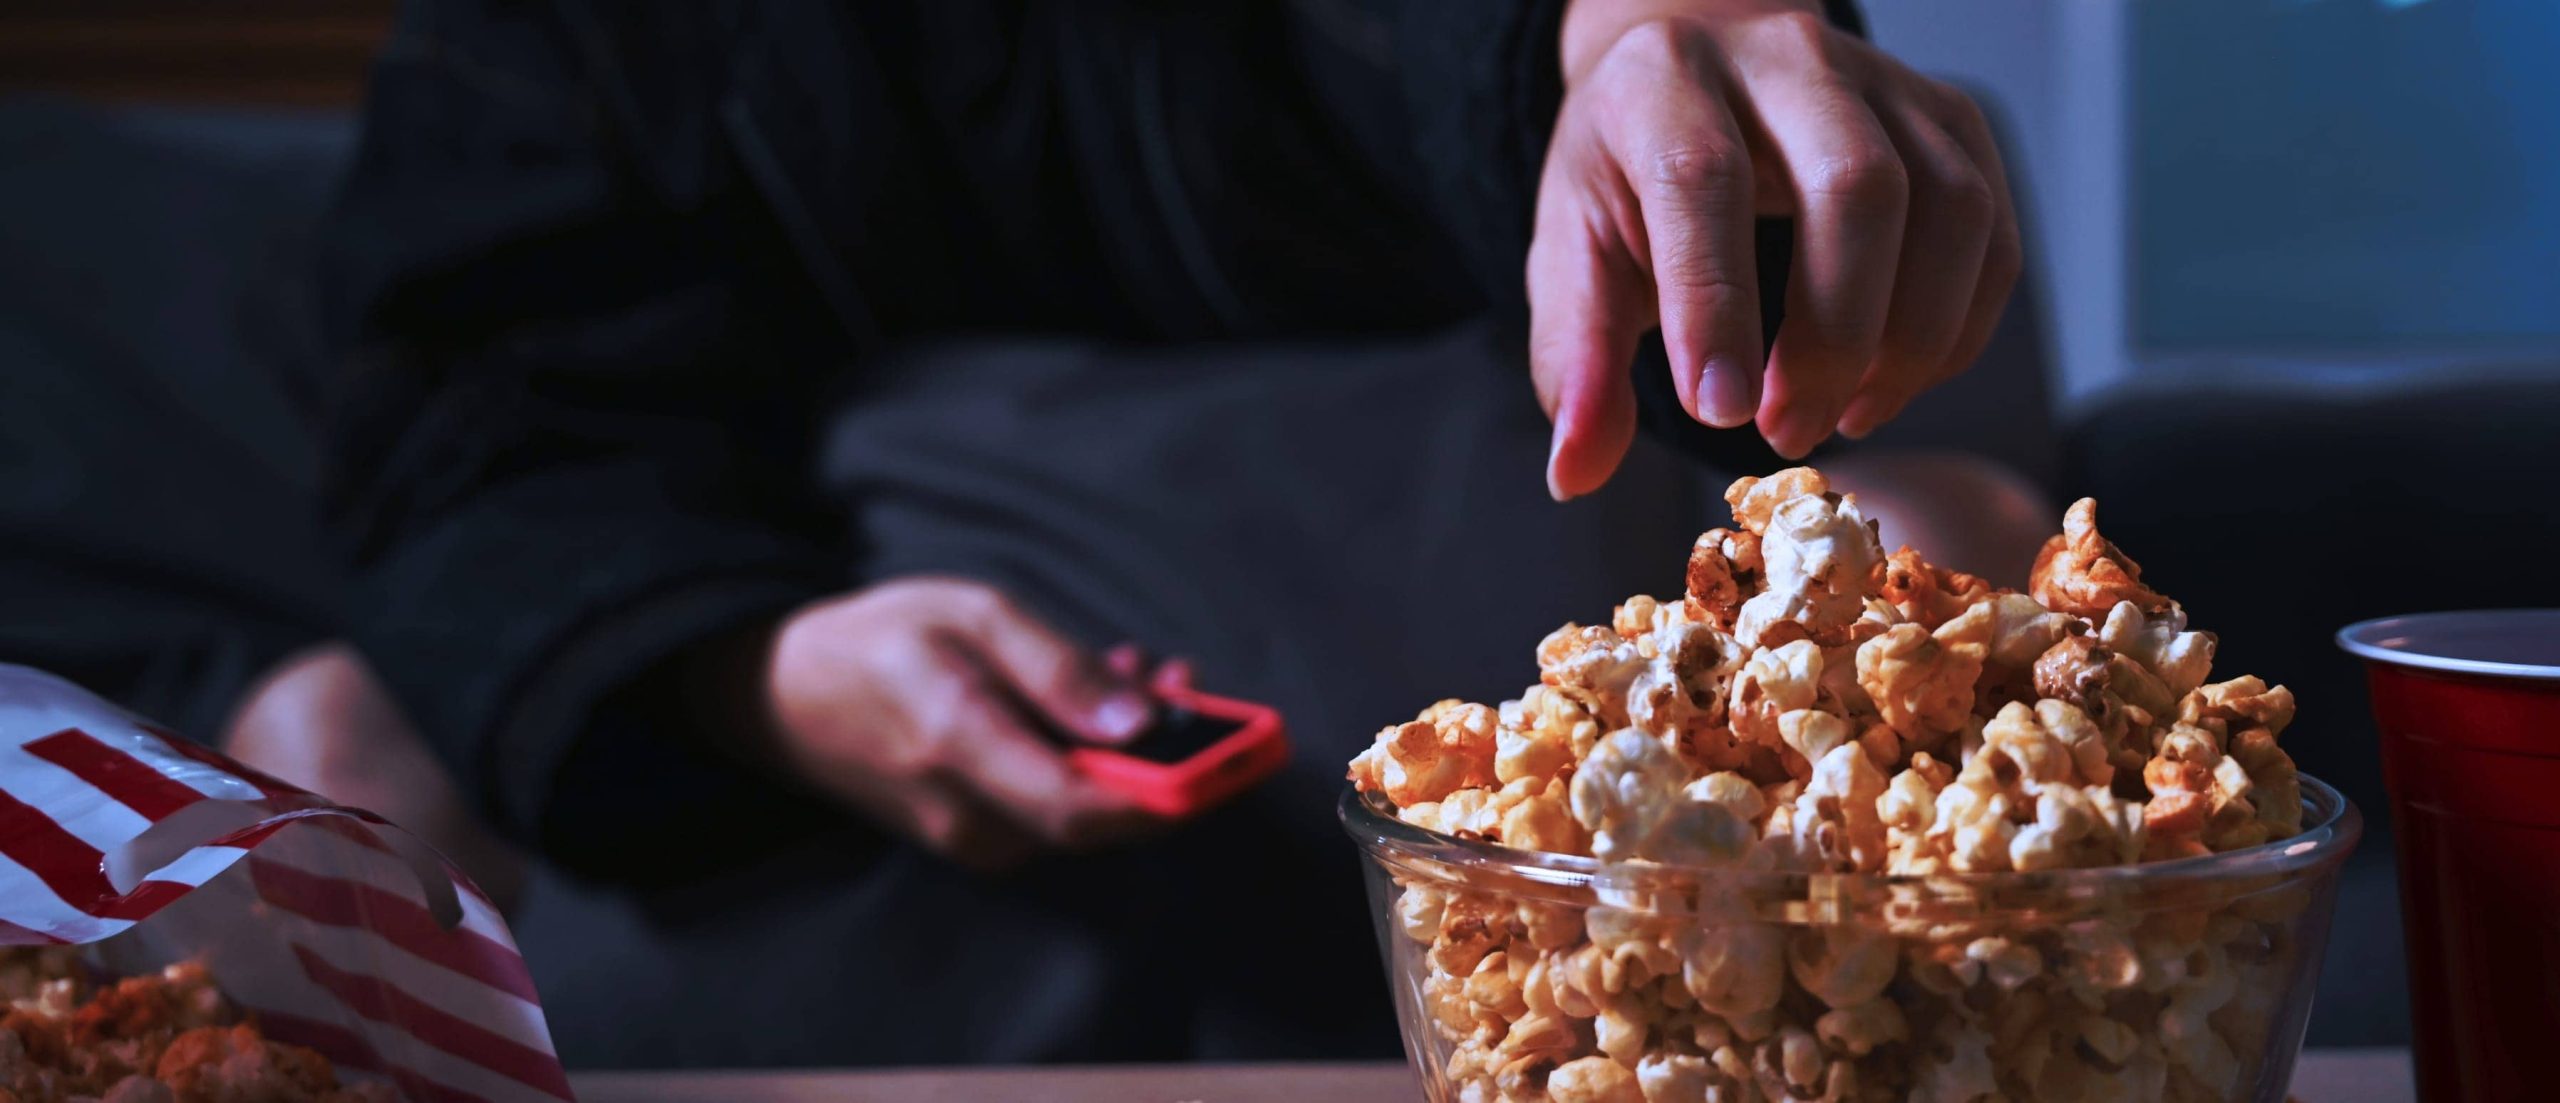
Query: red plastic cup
pixel 2469 707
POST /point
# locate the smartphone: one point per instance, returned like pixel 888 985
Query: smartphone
pixel 1202 750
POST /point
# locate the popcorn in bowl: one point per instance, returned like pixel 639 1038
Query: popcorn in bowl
pixel 1846 825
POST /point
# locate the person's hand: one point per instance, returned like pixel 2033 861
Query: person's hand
pixel 1682 121
pixel 921 703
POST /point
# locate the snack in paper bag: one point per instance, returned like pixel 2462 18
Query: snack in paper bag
pixel 182 928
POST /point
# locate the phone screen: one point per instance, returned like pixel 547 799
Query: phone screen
pixel 1178 734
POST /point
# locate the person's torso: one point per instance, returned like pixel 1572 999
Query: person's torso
pixel 1347 533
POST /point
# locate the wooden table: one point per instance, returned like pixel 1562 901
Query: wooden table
pixel 2324 1076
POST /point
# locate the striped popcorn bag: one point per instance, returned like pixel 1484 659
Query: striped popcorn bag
pixel 326 926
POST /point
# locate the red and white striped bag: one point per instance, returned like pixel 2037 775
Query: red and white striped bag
pixel 331 927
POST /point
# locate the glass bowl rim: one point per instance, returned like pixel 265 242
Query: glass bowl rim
pixel 2334 827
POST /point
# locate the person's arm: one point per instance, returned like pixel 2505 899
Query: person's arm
pixel 568 423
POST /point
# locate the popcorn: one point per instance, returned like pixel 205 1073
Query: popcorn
pixel 1723 564
pixel 2110 690
pixel 2184 794
pixel 1541 735
pixel 1835 823
pixel 1594 1080
pixel 2250 715
pixel 1625 791
pixel 1818 552
pixel 1959 1070
pixel 1976 828
pixel 1857 1029
pixel 2019 750
pixel 1495 986
pixel 156 1038
pixel 2160 643
pixel 2242 702
pixel 1680 695
pixel 2021 632
pixel 1922 686
pixel 2075 828
pixel 2003 962
pixel 1447 748
pixel 1470 929
pixel 2187 1037
pixel 1593 667
pixel 1909 808
pixel 1575 986
pixel 1418 912
pixel 2084 574
pixel 1813 705
pixel 1732 790
pixel 1775 681
pixel 1632 952
pixel 1618 1034
pixel 1635 616
pixel 1756 500
pixel 1541 820
pixel 1925 595
pixel 1665 1077
pixel 2278 786
pixel 1735 971
pixel 1536 1039
pixel 237 1063
pixel 1843 966
pixel 1800 1059
pixel 1812 733
pixel 2091 755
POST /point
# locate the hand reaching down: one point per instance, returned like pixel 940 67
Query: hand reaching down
pixel 1683 121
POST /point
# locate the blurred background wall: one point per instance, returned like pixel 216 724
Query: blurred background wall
pixel 2335 192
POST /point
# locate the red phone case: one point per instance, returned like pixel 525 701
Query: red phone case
pixel 1254 751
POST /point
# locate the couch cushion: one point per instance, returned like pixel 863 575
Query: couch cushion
pixel 156 536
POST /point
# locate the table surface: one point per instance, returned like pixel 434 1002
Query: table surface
pixel 2323 1076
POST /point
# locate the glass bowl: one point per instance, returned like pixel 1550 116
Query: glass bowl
pixel 1526 976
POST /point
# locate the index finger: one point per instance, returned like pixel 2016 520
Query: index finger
pixel 1580 340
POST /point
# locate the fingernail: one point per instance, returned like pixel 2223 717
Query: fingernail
pixel 1555 447
pixel 1121 717
pixel 1724 394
